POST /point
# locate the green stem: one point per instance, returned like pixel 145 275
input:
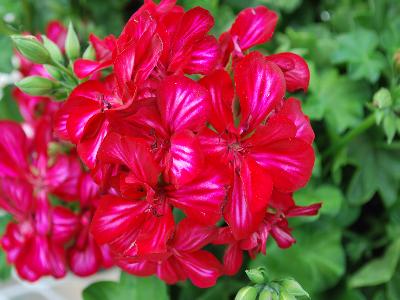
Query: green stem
pixel 348 137
pixel 67 71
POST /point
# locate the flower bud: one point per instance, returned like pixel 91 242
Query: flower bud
pixel 31 48
pixel 267 294
pixel 72 46
pixel 286 296
pixel 53 71
pixel 382 98
pixel 292 287
pixel 256 275
pixel 247 293
pixel 36 85
pixel 89 53
pixel 389 126
pixel 55 52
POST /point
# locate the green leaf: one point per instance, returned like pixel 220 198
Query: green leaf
pixel 335 99
pixel 377 171
pixel 318 255
pixel 5 268
pixel 128 288
pixel 210 5
pixel 8 106
pixel 358 49
pixel 379 270
pixel 6 54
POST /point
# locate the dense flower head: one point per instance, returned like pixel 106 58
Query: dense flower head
pixel 191 141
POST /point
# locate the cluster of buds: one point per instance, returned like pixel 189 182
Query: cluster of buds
pixel 192 141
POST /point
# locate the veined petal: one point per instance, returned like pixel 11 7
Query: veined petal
pixel 115 216
pixel 171 271
pixel 220 87
pixel 86 261
pixel 292 110
pixel 247 204
pixel 201 267
pixel 202 198
pixel 183 104
pixel 260 86
pixel 233 259
pixel 287 159
pixel 185 159
pixel 64 224
pixel 254 26
pixel 191 236
pixel 204 57
pixel 16 197
pixel 294 68
pixel 133 153
pixel 140 268
pixel 13 150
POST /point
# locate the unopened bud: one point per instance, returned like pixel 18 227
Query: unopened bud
pixel 382 98
pixel 36 85
pixel 247 293
pixel 31 48
pixel 256 275
pixel 266 294
pixel 286 296
pixel 89 53
pixel 292 287
pixel 72 46
pixel 55 52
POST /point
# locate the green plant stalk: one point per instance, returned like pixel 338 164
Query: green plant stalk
pixel 348 137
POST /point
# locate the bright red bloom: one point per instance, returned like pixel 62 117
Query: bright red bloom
pixel 185 258
pixel 140 222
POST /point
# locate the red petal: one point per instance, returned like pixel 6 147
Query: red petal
pixel 220 86
pixel 115 216
pixel 171 271
pixel 191 236
pixel 86 261
pixel 233 259
pixel 288 160
pixel 183 104
pixel 202 198
pixel 201 267
pixel 249 198
pixel 292 110
pixel 64 224
pixel 204 57
pixel 260 86
pixel 133 153
pixel 254 26
pixel 294 68
pixel 184 159
pixel 56 32
pixel 13 150
pixel 85 67
pixel 16 197
pixel 142 268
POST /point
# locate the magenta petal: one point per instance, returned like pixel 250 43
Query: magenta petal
pixel 171 271
pixel 292 110
pixel 16 197
pixel 115 216
pixel 95 132
pixel 183 104
pixel 202 198
pixel 260 86
pixel 184 159
pixel 13 149
pixel 201 267
pixel 294 68
pixel 85 67
pixel 287 159
pixel 204 57
pixel 191 236
pixel 233 259
pixel 133 153
pixel 56 32
pixel 86 261
pixel 64 224
pixel 141 268
pixel 220 86
pixel 250 194
pixel 254 26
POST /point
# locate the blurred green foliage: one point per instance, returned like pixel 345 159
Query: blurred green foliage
pixel 350 251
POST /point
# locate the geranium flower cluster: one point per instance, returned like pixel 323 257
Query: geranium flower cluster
pixel 193 141
pixel 40 187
